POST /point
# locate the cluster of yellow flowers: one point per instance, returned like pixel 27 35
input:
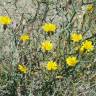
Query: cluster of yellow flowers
pixel 47 45
pixel 86 45
pixel 49 28
pixel 70 60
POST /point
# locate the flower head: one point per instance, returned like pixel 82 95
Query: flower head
pixel 49 27
pixel 90 7
pixel 46 45
pixel 71 60
pixel 24 37
pixel 5 20
pixel 87 45
pixel 22 68
pixel 76 37
pixel 52 66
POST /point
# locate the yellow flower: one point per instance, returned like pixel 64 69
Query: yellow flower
pixel 71 60
pixel 76 37
pixel 51 65
pixel 46 45
pixel 24 38
pixel 5 20
pixel 49 27
pixel 87 45
pixel 87 8
pixel 22 68
pixel 90 7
